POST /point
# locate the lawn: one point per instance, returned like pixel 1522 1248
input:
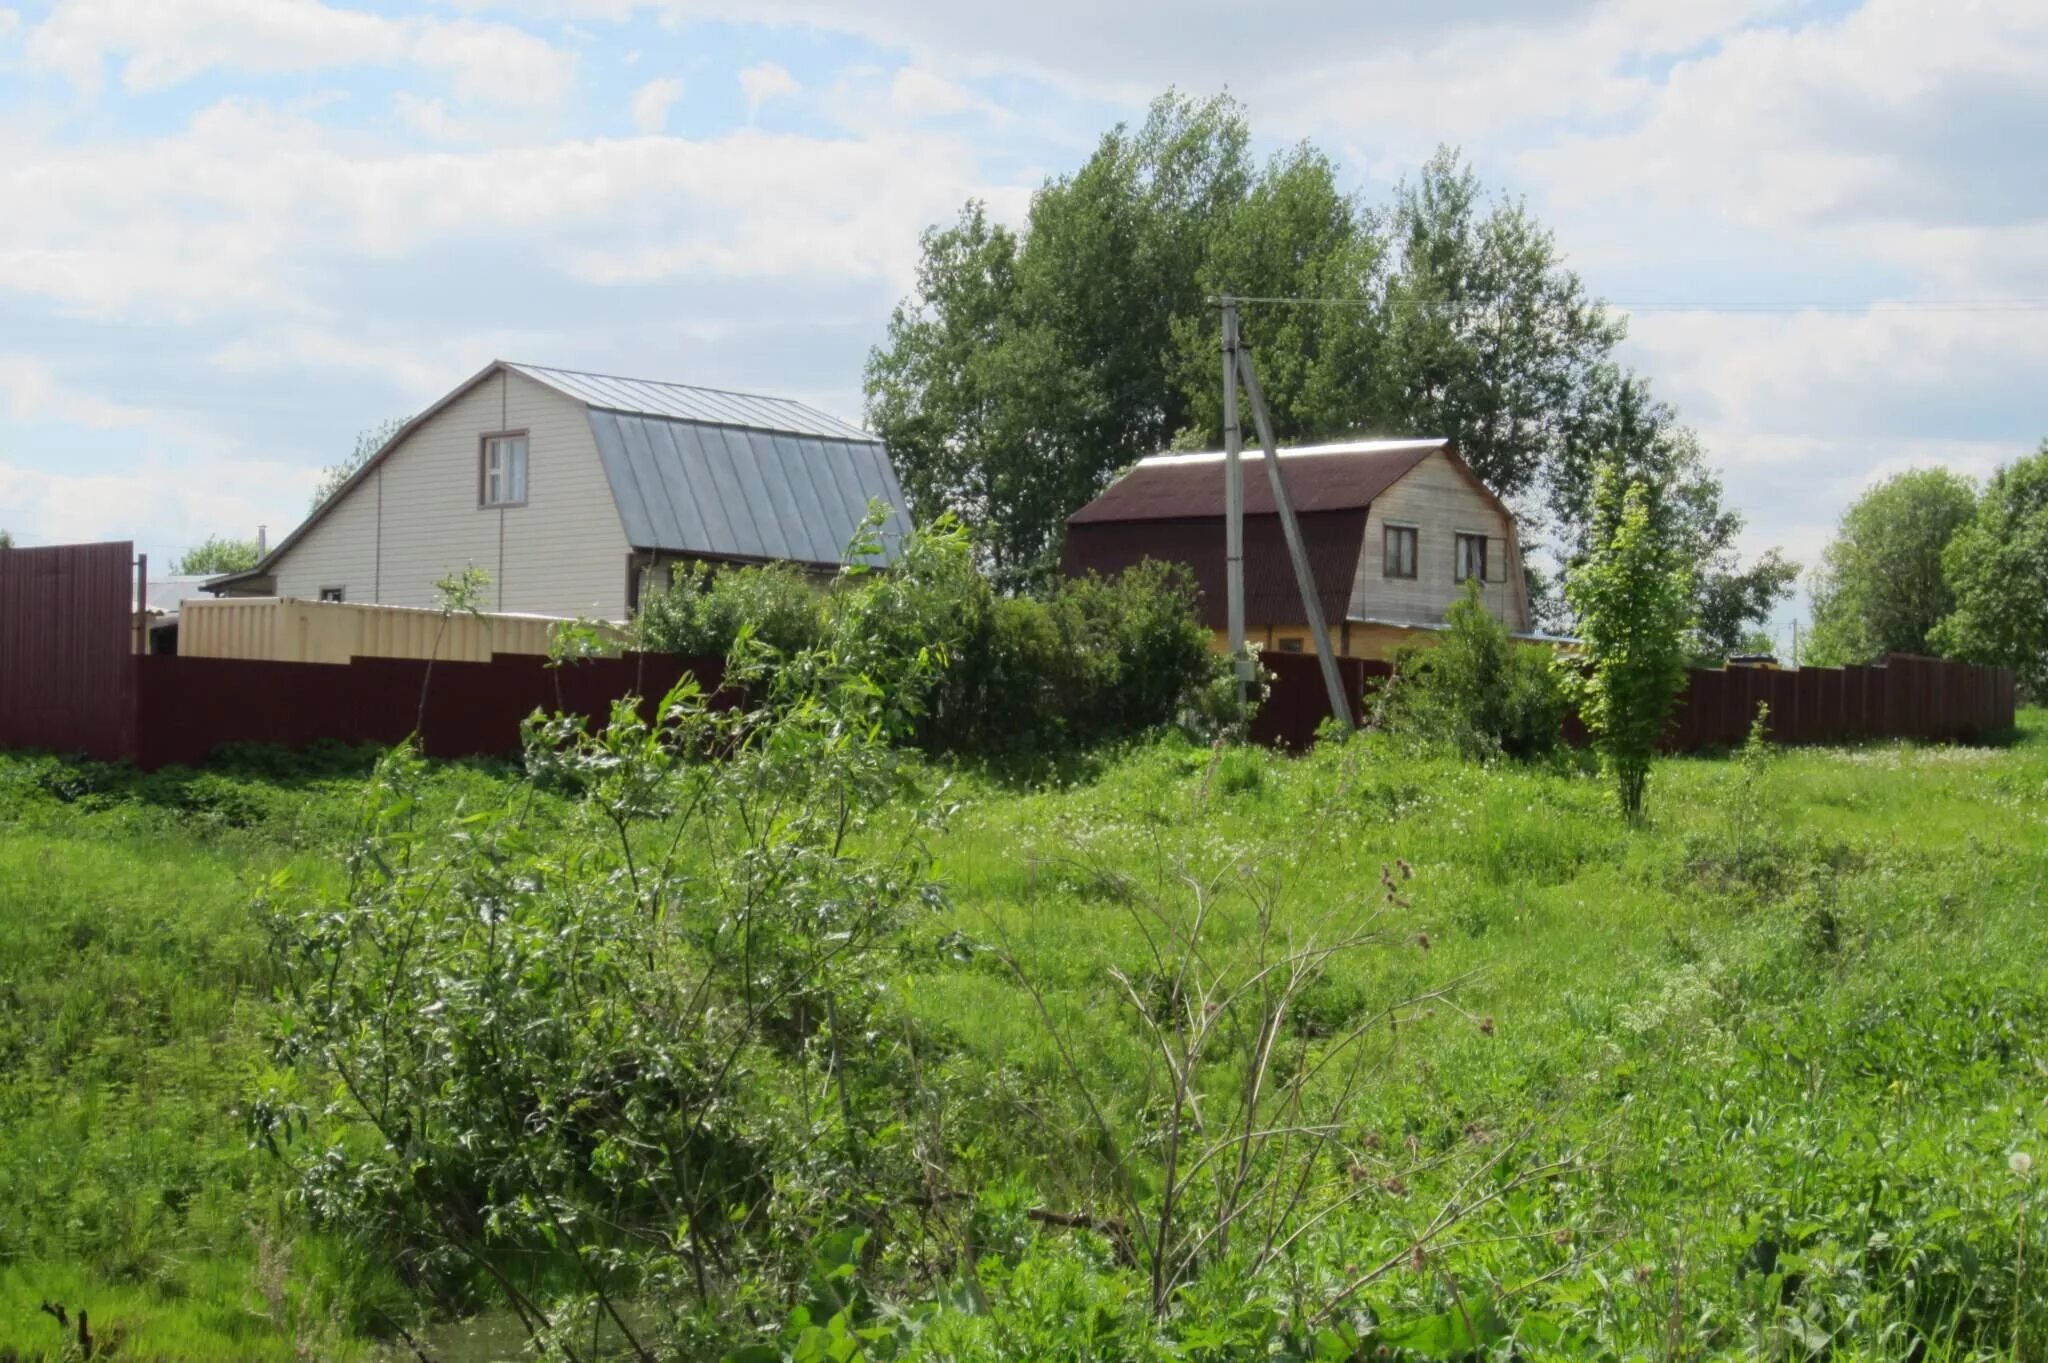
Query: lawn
pixel 1786 1046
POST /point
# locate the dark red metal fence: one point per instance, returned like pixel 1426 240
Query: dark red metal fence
pixel 67 680
pixel 190 706
pixel 1908 697
pixel 71 682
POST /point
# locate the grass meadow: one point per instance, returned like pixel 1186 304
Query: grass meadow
pixel 1788 1042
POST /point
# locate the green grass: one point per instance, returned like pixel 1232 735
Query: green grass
pixel 1798 1024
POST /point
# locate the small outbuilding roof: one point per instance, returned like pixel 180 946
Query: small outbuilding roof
pixel 1335 477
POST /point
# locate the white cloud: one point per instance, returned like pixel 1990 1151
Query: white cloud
pixel 651 103
pixel 917 93
pixel 765 81
pixel 164 44
pixel 248 207
pixel 1897 119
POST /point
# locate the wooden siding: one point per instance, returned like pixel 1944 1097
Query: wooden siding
pixel 1441 501
pixel 415 518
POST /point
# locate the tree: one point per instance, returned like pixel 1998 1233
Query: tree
pixel 1027 368
pixel 1633 598
pixel 1620 420
pixel 1997 567
pixel 1880 587
pixel 217 554
pixel 368 442
pixel 1490 339
pixel 6 539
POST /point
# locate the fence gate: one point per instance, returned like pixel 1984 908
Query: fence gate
pixel 67 666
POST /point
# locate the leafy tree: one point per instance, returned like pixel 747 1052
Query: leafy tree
pixel 1490 339
pixel 216 554
pixel 6 539
pixel 1880 586
pixel 1633 597
pixel 1027 368
pixel 1025 371
pixel 1997 566
pixel 1620 419
pixel 368 442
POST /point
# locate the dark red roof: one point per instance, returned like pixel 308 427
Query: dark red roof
pixel 1319 478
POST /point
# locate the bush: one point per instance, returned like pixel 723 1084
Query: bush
pixel 963 669
pixel 1476 692
pixel 702 612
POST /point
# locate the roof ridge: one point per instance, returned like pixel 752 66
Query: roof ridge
pixel 670 383
pixel 1376 445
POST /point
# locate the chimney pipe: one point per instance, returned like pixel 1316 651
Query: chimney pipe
pixel 262 540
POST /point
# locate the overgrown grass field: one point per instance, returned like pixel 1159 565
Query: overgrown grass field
pixel 1777 1062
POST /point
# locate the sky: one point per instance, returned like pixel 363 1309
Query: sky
pixel 235 233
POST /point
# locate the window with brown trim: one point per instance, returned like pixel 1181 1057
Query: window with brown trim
pixel 1402 542
pixel 1471 557
pixel 501 470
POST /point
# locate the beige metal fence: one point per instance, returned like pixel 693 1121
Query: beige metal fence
pixel 286 629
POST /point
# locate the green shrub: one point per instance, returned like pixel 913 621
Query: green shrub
pixel 702 612
pixel 963 669
pixel 1475 692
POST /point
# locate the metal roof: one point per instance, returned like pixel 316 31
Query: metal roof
pixel 1340 477
pixel 166 592
pixel 714 489
pixel 714 406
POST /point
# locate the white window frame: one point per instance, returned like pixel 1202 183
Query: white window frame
pixel 334 595
pixel 503 469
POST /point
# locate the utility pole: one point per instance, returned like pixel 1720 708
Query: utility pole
pixel 1233 502
pixel 1237 368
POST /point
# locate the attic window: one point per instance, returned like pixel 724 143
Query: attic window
pixel 503 481
pixel 1401 542
pixel 1472 557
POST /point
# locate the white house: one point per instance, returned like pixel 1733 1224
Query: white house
pixel 567 487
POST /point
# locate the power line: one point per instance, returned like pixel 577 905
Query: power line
pixel 1922 305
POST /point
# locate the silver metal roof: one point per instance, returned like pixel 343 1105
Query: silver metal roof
pixel 712 488
pixel 646 397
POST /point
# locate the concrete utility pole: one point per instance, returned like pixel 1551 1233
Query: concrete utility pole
pixel 1237 368
pixel 1233 501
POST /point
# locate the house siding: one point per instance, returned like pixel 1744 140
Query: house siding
pixel 1441 502
pixel 415 519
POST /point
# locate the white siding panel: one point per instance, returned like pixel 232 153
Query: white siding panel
pixel 1437 499
pixel 563 553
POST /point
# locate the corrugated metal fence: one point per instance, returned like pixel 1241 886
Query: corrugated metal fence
pixel 71 682
pixel 1908 697
pixel 67 674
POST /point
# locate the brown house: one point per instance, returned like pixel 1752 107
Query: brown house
pixel 1393 528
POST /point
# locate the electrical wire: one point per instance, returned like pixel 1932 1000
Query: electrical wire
pixel 1927 305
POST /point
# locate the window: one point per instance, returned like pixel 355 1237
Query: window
pixel 334 593
pixel 1401 540
pixel 504 471
pixel 1290 645
pixel 1471 557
